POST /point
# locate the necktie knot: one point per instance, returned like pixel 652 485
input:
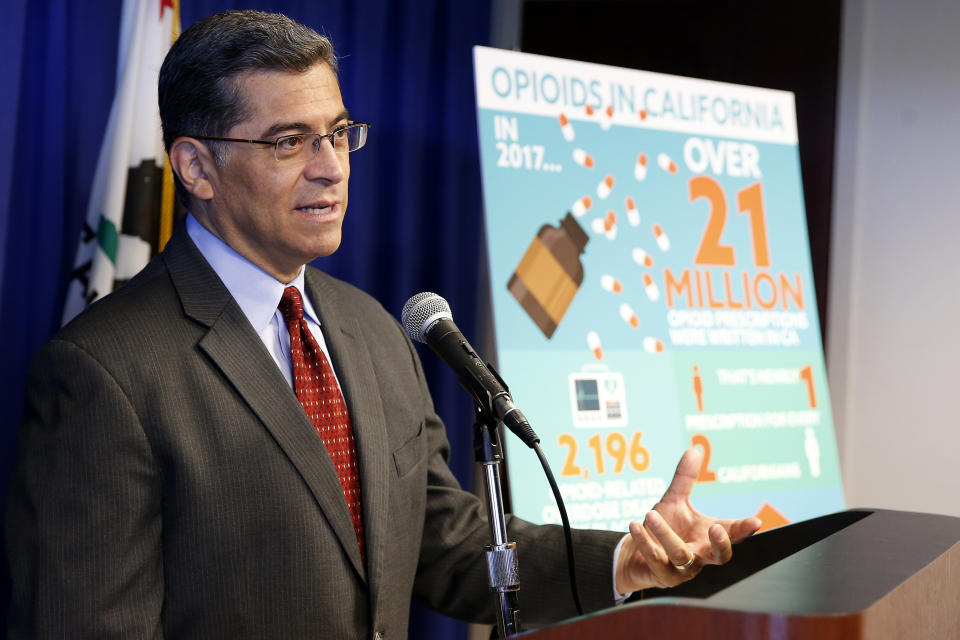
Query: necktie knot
pixel 291 305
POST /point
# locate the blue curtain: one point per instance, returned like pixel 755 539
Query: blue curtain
pixel 415 217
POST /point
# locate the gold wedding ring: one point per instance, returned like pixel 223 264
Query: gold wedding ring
pixel 687 564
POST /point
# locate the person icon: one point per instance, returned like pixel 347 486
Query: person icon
pixel 698 387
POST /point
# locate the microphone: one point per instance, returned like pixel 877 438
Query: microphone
pixel 426 317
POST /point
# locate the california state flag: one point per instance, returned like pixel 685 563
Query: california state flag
pixel 130 214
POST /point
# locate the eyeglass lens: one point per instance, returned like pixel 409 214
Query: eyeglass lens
pixel 305 146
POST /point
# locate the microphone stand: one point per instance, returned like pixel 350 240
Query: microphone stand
pixel 501 555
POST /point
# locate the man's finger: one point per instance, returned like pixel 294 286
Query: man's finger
pixel 677 551
pixel 685 476
pixel 744 528
pixel 646 544
pixel 739 530
pixel 720 544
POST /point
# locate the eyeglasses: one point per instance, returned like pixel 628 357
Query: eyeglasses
pixel 304 147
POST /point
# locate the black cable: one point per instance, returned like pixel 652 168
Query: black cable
pixel 568 537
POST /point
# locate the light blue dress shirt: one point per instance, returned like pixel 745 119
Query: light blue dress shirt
pixel 258 293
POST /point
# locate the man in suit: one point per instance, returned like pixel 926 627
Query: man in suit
pixel 236 445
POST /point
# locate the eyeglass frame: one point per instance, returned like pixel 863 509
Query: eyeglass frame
pixel 276 143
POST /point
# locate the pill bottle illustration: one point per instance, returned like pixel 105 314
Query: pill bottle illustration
pixel 550 273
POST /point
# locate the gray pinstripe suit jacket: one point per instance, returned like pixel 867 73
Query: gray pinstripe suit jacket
pixel 170 485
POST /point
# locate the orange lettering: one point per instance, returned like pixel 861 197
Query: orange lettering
pixel 765 277
pixel 751 199
pixel 714 304
pixel 711 251
pixel 733 304
pixel 672 285
pixel 796 294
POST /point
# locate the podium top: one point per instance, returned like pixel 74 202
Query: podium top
pixel 853 575
pixel 836 564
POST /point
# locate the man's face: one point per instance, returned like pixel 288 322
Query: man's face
pixel 281 216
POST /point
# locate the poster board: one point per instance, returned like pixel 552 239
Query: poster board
pixel 652 290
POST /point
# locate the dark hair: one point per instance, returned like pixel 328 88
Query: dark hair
pixel 198 92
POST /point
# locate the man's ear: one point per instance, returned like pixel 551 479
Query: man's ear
pixel 192 163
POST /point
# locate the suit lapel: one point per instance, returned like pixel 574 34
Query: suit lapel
pixel 236 349
pixel 354 366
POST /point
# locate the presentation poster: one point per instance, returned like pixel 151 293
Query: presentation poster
pixel 652 291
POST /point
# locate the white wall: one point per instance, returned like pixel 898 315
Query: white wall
pixel 894 300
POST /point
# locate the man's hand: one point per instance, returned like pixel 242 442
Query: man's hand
pixel 675 541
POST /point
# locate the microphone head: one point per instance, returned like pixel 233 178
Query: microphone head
pixel 421 312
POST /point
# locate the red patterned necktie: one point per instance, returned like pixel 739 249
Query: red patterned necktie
pixel 318 392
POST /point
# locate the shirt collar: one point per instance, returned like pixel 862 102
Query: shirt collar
pixel 257 292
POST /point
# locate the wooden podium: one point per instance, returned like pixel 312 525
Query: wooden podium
pixel 868 574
